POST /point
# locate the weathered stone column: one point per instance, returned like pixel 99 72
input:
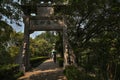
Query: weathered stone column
pixel 25 53
pixel 65 46
pixel 69 56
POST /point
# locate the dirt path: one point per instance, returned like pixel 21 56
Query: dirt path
pixel 46 71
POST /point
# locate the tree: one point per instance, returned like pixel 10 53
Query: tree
pixel 9 13
pixel 5 31
pixel 42 44
pixel 15 44
pixel 49 36
pixel 93 32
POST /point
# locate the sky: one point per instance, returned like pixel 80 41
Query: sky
pixel 21 28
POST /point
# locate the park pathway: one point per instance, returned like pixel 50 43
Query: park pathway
pixel 48 70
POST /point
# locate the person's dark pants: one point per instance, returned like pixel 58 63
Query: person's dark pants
pixel 54 58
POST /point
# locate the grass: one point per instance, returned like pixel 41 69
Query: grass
pixel 36 61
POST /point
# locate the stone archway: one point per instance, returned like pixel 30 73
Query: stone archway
pixel 43 21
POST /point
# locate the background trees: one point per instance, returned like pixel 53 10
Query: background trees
pixel 4 37
pixel 93 32
pixel 9 13
pixel 93 29
pixel 43 44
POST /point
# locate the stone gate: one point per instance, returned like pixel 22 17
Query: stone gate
pixel 40 17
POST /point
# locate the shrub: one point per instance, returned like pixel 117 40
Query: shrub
pixel 10 72
pixel 37 61
pixel 72 73
pixel 60 61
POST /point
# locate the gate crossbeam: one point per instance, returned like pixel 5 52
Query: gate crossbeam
pixel 43 21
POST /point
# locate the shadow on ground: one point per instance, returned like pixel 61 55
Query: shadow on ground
pixel 47 65
pixel 46 71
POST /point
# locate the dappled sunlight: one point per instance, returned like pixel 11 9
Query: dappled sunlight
pixel 49 63
pixel 46 71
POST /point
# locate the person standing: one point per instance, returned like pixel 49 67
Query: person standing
pixel 54 55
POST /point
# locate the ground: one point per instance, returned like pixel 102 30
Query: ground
pixel 48 70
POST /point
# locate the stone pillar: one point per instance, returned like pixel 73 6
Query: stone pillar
pixel 65 46
pixel 26 41
pixel 69 57
pixel 25 65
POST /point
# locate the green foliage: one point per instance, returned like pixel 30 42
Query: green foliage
pixel 37 61
pixel 5 57
pixel 15 43
pixel 5 31
pixel 59 43
pixel 93 33
pixel 10 43
pixel 72 73
pixel 40 47
pixel 48 36
pixel 10 72
pixel 9 13
pixel 14 52
pixel 11 9
pixel 42 44
pixel 60 61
